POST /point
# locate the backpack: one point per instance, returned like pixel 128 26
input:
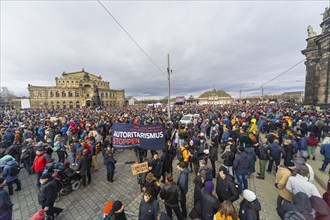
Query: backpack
pixel 14 170
pixel 57 146
pixel 179 154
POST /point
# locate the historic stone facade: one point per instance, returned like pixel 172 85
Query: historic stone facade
pixel 317 92
pixel 75 90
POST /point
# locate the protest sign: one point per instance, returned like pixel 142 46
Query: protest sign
pixel 150 137
pixel 139 168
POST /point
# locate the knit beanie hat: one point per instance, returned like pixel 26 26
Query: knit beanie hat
pixel 117 205
pixel 208 186
pixel 249 195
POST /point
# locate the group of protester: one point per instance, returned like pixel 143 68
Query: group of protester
pixel 230 132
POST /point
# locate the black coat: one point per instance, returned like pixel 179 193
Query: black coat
pixel 110 163
pixel 47 193
pixel 82 165
pixel 157 166
pixel 226 189
pixel 210 205
pixel 197 189
pixel 249 210
pixel 170 193
pixel 228 158
pixel 213 152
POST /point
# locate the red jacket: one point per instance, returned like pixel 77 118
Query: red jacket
pixel 312 141
pixel 39 163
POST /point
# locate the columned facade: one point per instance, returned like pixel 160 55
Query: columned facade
pixel 76 90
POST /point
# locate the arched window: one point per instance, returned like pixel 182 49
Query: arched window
pixel 58 105
pixel 77 104
pixel 64 105
pixel 102 94
pixel 70 94
pixel 71 105
pixel 77 94
pixel 51 94
pixel 57 94
pixel 63 94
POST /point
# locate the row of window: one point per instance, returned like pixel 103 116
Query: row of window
pixel 63 81
pixel 70 94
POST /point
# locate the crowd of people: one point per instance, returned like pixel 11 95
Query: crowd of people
pixel 234 134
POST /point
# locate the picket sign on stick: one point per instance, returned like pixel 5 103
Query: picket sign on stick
pixel 139 168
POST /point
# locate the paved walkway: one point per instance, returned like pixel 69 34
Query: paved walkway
pixel 88 202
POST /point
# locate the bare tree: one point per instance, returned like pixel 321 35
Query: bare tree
pixel 5 93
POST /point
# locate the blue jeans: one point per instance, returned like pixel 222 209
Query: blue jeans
pixel 325 164
pixel 73 155
pixel 39 174
pixel 242 179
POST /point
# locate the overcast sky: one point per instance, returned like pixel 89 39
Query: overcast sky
pixel 216 44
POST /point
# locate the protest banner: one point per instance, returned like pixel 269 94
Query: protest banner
pixel 139 168
pixel 150 137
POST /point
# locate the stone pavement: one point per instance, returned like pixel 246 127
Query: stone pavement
pixel 88 202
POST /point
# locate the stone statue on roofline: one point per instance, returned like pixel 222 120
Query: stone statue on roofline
pixel 326 13
pixel 310 31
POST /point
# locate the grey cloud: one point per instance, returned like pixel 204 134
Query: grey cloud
pixel 228 44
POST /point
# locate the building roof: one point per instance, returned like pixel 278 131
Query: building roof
pixel 219 93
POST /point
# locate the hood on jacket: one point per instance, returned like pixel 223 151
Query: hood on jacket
pixel 302 202
pixel 256 204
pixel 11 162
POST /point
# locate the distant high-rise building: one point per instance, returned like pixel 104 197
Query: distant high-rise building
pixel 317 91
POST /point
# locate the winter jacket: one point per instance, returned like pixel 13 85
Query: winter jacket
pixel 110 163
pixel 148 210
pixel 6 171
pixel 5 201
pixel 321 208
pixel 213 152
pixel 300 204
pixel 326 195
pixel 197 189
pixel 183 181
pixel 275 151
pixel 288 153
pixel 226 189
pixel 252 154
pixel 47 193
pixel 249 210
pixel 312 141
pixel 39 163
pixel 170 193
pixel 82 165
pixel 302 144
pixel 210 205
pixel 185 154
pixel 282 176
pixel 325 149
pixel 298 183
pixel 157 166
pixel 242 163
pixel 261 152
pixel 228 158
pixel 218 216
